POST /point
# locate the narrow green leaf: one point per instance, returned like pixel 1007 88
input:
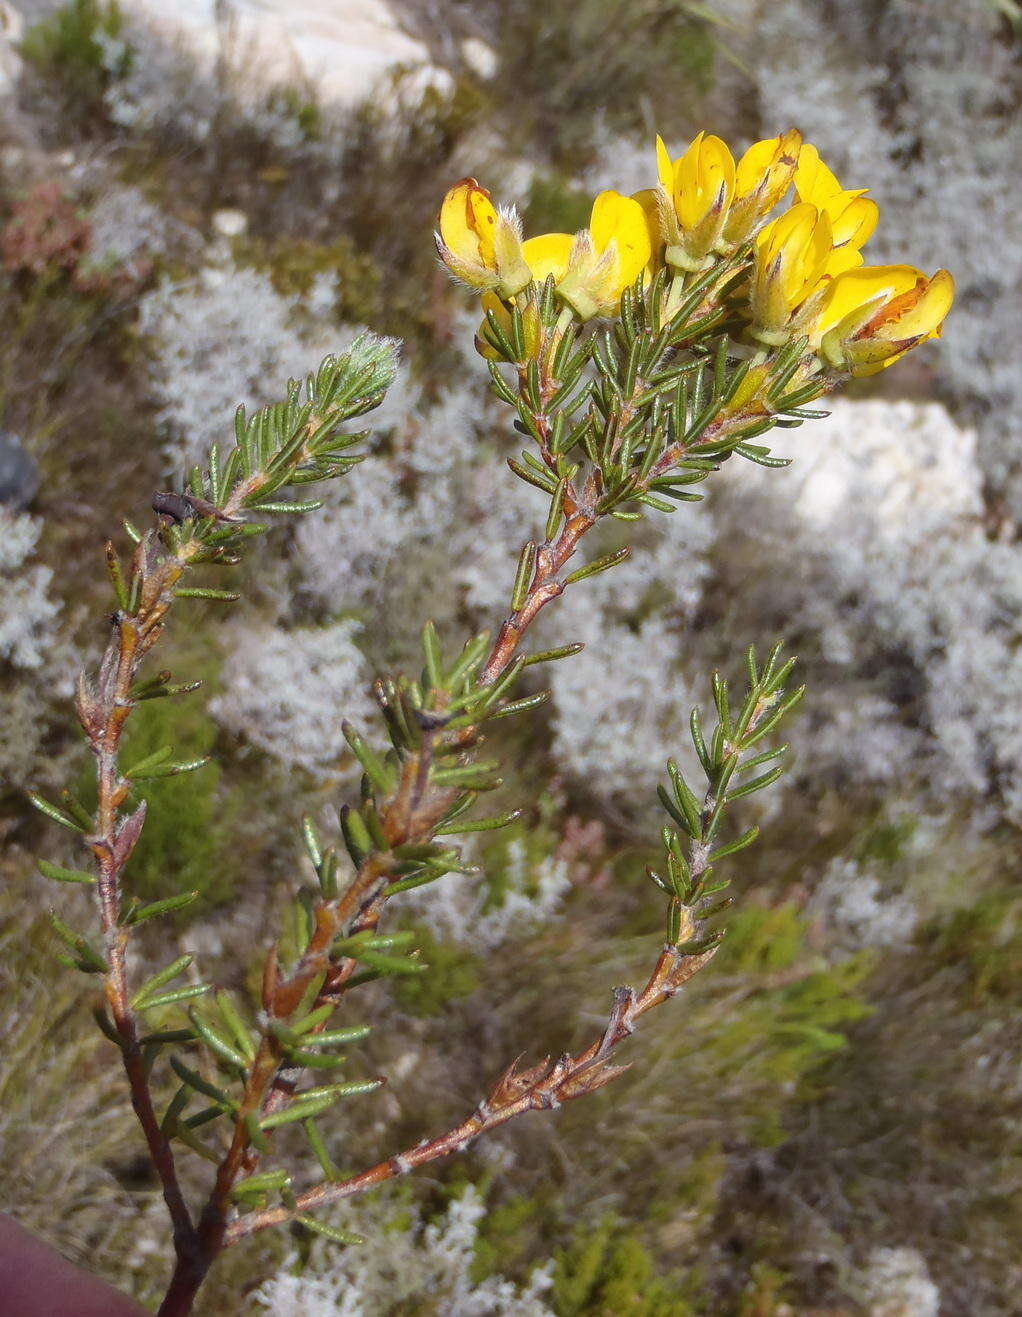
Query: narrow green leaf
pixel 319 1149
pixel 298 1110
pixel 311 839
pixel 757 784
pixel 434 658
pixel 216 1042
pixel 156 908
pixel 479 825
pixel 599 565
pixel 164 976
pixel 89 958
pixel 201 1085
pixel 62 875
pixel 523 575
pixel 733 847
pixel 235 1024
pixel 169 770
pixel 344 1237
pixel 52 812
pixel 206 592
pixel 169 998
pixel 552 655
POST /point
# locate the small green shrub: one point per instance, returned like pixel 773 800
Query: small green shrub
pixel 80 50
pixel 608 1272
pixel 453 974
pixel 985 940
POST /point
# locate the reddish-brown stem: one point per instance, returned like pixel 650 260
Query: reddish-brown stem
pixel 543 1087
pixel 103 714
pixel 544 588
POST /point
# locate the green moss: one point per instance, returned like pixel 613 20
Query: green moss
pixel 295 265
pixel 985 940
pixel 509 1236
pixel 608 1272
pixel 453 973
pixel 761 940
pixel 885 842
pixel 795 1012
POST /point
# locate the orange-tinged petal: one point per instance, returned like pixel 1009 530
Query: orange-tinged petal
pixel 927 316
pixel 856 291
pixel 548 254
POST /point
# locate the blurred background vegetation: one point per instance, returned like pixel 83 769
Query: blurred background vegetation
pixel 828 1122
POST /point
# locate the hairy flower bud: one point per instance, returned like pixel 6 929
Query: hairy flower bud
pixel 480 245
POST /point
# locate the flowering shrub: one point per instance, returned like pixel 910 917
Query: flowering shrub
pixel 637 358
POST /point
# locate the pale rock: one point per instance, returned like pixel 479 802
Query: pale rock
pixel 343 48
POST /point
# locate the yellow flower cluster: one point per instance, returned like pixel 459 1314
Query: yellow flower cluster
pixel 806 276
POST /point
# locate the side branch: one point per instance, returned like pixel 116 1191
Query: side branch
pixel 545 1086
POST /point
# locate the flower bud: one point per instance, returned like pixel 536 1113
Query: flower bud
pixel 480 245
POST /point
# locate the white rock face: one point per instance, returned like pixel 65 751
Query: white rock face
pixel 11 31
pixel 342 47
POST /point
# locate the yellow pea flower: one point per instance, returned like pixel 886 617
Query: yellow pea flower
pixel 593 268
pixel 549 254
pixel 853 216
pixel 696 194
pixel 762 177
pixel 480 245
pixel 870 317
pixel 793 257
